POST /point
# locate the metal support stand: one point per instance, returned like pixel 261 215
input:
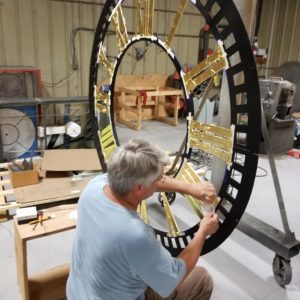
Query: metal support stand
pixel 284 244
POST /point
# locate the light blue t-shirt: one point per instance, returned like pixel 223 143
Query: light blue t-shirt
pixel 115 254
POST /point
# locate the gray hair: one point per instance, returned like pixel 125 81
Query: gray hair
pixel 136 162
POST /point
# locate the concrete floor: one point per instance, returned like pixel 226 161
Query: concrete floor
pixel 241 267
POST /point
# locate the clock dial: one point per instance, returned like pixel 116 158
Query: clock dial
pixel 232 145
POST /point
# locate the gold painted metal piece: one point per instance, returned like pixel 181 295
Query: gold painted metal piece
pixel 203 97
pixel 107 141
pixel 102 101
pixel 144 28
pixel 148 18
pixel 105 61
pixel 139 26
pixel 119 23
pixel 212 139
pixel 172 224
pixel 205 69
pixel 188 174
pixel 142 211
pixel 176 21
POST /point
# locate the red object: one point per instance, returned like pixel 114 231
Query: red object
pixel 143 94
pixel 186 68
pixel 206 28
pixel 294 153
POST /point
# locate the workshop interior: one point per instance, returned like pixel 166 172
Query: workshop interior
pixel 215 83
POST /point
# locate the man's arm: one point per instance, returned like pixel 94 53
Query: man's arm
pixel 208 226
pixel 204 191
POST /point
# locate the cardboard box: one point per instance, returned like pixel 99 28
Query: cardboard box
pixel 23 178
pixel 61 161
pixel 56 171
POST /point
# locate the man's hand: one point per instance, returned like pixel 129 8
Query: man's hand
pixel 209 224
pixel 204 191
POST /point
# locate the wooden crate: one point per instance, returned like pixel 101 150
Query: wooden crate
pixel 5 190
pixel 145 97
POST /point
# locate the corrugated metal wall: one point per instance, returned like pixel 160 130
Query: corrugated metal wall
pixel 280 22
pixel 45 33
pixel 38 33
pixel 52 34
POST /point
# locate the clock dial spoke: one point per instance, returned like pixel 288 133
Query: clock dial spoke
pixel 143 212
pixel 119 23
pixel 176 21
pixel 188 174
pixel 144 21
pixel 174 230
pixel 101 58
pixel 204 97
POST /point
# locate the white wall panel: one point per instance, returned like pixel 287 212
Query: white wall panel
pixel 38 33
pixel 279 27
pixel 9 15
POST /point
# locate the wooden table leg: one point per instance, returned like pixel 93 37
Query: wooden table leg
pixel 21 262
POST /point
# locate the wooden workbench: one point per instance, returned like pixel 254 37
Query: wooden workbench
pixel 48 191
pixel 49 285
pixel 144 97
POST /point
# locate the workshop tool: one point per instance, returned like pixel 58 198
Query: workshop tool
pixel 39 220
pixel 16 167
pixel 43 219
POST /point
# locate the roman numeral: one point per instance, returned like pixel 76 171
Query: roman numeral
pixel 102 100
pixel 212 139
pixel 207 68
pixel 107 141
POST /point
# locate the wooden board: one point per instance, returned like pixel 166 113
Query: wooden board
pixel 63 221
pixel 51 189
pixel 141 81
pixel 48 190
pixel 49 285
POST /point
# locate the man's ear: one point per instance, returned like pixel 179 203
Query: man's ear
pixel 137 189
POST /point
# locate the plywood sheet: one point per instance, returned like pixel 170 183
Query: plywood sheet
pixel 51 190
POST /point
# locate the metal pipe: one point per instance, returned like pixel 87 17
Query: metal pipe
pixel 269 151
pixel 271 39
